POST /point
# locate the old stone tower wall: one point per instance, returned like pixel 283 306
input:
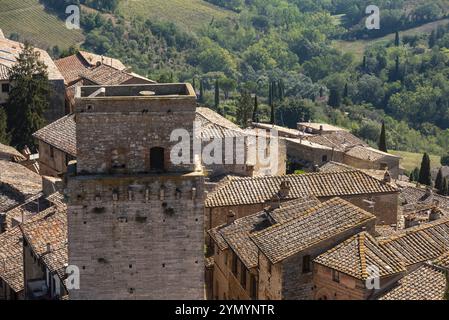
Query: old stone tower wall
pixel 135 232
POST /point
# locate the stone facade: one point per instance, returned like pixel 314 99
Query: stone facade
pixel 52 161
pixel 135 219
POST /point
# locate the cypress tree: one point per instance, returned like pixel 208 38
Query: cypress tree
pixel 424 173
pixel 414 175
pixel 397 68
pixel 334 98
pixel 432 39
pixel 383 139
pixel 321 92
pixel 364 64
pixel 397 40
pixel 217 97
pixel 255 111
pixel 439 181
pixel 201 98
pixel 346 91
pixel 273 98
pixel 194 84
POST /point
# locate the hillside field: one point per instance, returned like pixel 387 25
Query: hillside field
pixel 410 160
pixel 187 14
pixel 29 19
pixel 358 47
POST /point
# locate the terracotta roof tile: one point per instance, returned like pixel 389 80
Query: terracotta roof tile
pixel 319 223
pixel 414 196
pixel 253 190
pixel 17 184
pixel 72 67
pixel 214 125
pixel 106 75
pixel 95 59
pixel 425 283
pixel 11 258
pixel 11 154
pixel 339 140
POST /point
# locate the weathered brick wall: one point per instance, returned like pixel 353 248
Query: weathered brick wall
pixel 48 165
pixel 147 244
pixel 270 283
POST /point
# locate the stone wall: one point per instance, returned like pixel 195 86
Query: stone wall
pixel 137 237
pixel 52 161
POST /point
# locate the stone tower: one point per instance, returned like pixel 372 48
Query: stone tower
pixel 135 219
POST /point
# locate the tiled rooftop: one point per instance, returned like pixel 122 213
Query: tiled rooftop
pixel 368 153
pixel 95 59
pixel 17 183
pixel 60 134
pixel 253 190
pixel 339 140
pixel 237 234
pixel 413 196
pixel 425 283
pixel 317 224
pixel 106 75
pixel 354 256
pixel 9 153
pixel 214 125
pixel 72 67
pixel 49 228
pixel 11 259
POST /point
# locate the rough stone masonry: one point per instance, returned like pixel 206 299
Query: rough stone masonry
pixel 135 220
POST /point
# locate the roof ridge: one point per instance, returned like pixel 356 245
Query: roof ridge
pixel 362 254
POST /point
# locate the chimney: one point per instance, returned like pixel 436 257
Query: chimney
pixel 387 177
pixel 48 247
pixel 273 203
pixel 321 128
pixel 410 222
pixel 429 192
pixel 435 214
pixel 284 189
pixel 230 218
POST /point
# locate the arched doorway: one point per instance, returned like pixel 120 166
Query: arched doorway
pixel 157 159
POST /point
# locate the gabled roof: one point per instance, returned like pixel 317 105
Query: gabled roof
pixel 368 153
pixel 60 134
pixel 4 72
pixel 253 190
pixel 354 256
pixel 236 235
pixel 317 224
pixel 425 283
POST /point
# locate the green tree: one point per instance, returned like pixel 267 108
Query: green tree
pixel 4 136
pixel 256 109
pixel 432 39
pixel 244 108
pixel 201 97
pixel 397 40
pixel 439 181
pixel 28 98
pixel 383 139
pixel 335 98
pixel 414 175
pixel 217 97
pixel 424 173
pixel 445 160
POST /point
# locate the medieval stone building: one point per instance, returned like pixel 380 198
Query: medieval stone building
pixel 135 219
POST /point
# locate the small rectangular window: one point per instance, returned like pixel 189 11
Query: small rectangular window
pixel 306 264
pixel 5 87
pixel 243 275
pixel 234 264
pixel 336 276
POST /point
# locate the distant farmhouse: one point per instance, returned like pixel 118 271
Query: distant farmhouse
pixel 9 52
